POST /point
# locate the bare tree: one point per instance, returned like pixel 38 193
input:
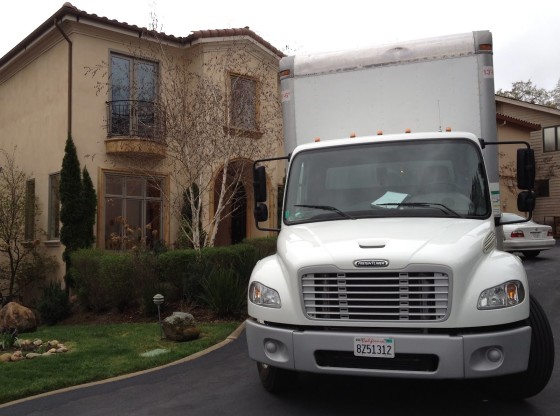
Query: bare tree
pixel 15 246
pixel 220 110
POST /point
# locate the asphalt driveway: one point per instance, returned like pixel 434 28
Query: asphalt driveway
pixel 225 382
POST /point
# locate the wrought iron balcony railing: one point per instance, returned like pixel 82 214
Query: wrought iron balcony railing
pixel 135 118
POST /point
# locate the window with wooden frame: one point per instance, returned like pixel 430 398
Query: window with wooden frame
pixel 243 103
pixel 133 211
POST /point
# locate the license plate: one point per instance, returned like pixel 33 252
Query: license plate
pixel 536 234
pixel 374 347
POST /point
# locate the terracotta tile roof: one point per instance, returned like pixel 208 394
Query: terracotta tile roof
pixel 199 34
pixel 69 9
pixel 500 118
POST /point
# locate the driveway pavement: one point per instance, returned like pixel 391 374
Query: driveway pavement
pixel 225 382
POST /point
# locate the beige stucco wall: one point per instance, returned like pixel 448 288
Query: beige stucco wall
pixel 33 118
pixel 33 115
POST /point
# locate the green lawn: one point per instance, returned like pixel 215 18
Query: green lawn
pixel 98 352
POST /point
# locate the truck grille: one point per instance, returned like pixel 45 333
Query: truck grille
pixel 372 296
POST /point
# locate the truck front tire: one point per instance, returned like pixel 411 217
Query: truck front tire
pixel 273 379
pixel 541 361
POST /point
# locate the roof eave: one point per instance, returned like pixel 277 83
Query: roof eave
pixel 69 12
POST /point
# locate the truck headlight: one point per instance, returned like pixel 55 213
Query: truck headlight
pixel 262 295
pixel 507 294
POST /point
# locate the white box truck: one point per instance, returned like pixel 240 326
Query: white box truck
pixel 388 260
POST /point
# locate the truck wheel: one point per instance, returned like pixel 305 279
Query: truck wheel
pixel 541 361
pixel 273 379
pixel 531 254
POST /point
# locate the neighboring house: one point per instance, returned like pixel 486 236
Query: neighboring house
pixel 540 127
pixel 51 84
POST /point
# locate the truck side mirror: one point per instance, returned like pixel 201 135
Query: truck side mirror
pixel 260 212
pixel 525 169
pixel 526 201
pixel 259 184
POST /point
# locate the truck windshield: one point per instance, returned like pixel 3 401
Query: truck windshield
pixel 424 178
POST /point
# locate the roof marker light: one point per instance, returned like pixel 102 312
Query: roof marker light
pixel 317 139
pixel 448 129
pixel 380 132
pixel 407 131
pixel 352 135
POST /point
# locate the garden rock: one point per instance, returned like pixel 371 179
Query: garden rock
pixel 6 357
pixel 32 355
pixel 16 316
pixel 180 326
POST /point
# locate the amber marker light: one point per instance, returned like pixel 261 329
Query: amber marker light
pixel 380 132
pixel 512 293
pixel 317 139
pixel 407 131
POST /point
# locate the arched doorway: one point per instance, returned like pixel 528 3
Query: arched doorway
pixel 239 215
pixel 233 226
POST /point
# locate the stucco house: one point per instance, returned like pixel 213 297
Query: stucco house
pixel 540 127
pixel 130 98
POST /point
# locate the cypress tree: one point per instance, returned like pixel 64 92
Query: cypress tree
pixel 71 212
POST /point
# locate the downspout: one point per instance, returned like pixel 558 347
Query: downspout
pixel 69 76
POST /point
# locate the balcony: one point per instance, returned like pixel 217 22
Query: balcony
pixel 135 127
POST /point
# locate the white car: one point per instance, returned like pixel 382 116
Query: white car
pixel 529 238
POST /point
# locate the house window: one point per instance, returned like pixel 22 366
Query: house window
pixel 551 139
pixel 29 231
pixel 243 105
pixel 133 211
pixel 54 207
pixel 132 110
pixel 542 188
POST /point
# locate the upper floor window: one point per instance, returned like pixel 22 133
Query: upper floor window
pixel 132 108
pixel 54 207
pixel 243 105
pixel 551 139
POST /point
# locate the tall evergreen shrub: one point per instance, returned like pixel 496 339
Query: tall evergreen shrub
pixel 78 206
pixel 71 212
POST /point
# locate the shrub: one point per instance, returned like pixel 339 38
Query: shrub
pixel 264 246
pixel 246 258
pixel 8 338
pixel 92 288
pixel 117 270
pixel 113 279
pixel 54 305
pixel 183 271
pixel 224 293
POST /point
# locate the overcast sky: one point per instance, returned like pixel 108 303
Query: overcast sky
pixel 526 33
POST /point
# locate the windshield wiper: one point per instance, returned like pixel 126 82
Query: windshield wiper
pixel 327 208
pixel 442 207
